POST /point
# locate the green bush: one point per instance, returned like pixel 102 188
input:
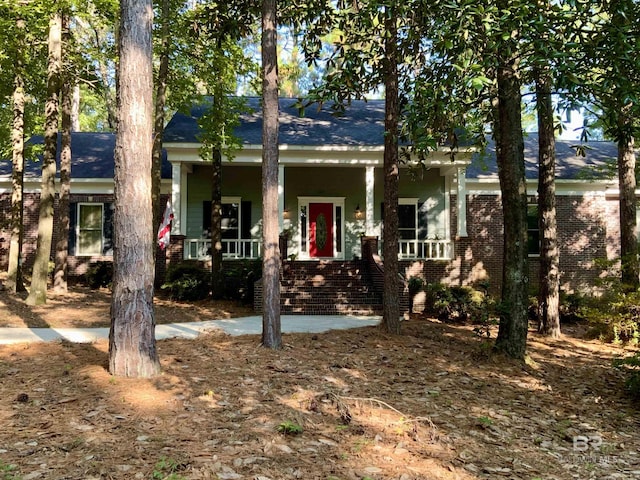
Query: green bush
pixel 614 316
pixel 187 281
pixel 415 285
pixel 573 307
pixel 99 275
pixel 458 304
pixel 631 366
pixel 239 279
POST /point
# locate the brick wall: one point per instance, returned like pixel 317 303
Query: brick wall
pixel 78 265
pixel 588 231
pixel 30 223
pixel 5 232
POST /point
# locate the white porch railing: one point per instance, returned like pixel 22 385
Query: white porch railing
pixel 200 248
pixel 430 249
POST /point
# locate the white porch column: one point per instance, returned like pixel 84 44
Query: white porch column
pixel 369 207
pixel 281 198
pixel 178 186
pixel 462 202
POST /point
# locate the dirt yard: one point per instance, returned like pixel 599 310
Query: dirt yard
pixel 344 405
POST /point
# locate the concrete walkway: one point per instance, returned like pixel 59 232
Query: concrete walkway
pixel 232 326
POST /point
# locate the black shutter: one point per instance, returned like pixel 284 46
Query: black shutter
pixel 245 227
pixel 107 228
pixel 73 221
pixel 206 217
pixel 382 212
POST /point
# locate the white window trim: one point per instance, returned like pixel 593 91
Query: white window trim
pixel 414 202
pixel 78 253
pixel 238 200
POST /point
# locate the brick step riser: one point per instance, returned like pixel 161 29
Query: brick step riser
pixel 309 288
pixel 319 311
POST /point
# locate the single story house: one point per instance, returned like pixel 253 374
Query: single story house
pixel 91 203
pixel 331 194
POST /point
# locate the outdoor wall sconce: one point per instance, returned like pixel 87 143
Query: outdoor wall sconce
pixel 285 213
pixel 358 212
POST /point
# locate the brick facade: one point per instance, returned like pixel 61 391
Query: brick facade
pixel 588 231
pixel 78 265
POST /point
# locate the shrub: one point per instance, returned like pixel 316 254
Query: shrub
pixel 458 304
pixel 100 274
pixel 239 279
pixel 573 307
pixel 415 284
pixel 631 366
pixel 614 316
pixel 187 281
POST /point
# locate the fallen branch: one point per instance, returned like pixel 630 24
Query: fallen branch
pixel 345 414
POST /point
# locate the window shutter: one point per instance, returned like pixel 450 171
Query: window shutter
pixel 107 229
pixel 245 212
pixel 73 221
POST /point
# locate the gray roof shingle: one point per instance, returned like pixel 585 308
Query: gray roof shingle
pixel 92 157
pixel 362 124
pixel 569 165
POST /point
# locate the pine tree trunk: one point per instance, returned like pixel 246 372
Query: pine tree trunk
pixel 14 275
pixel 549 295
pixel 513 329
pixel 132 345
pixel 217 281
pixel 38 291
pixel 271 331
pixel 158 134
pixel 390 302
pixel 62 239
pixel 628 236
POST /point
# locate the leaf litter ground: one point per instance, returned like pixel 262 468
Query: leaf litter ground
pixel 430 404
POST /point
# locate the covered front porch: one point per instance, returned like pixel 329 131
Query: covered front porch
pixel 327 203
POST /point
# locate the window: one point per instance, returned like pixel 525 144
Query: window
pixel 236 226
pixel 407 219
pixel 409 247
pixel 533 230
pixel 231 220
pixel 89 228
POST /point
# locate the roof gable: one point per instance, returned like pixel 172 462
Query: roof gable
pixel 362 124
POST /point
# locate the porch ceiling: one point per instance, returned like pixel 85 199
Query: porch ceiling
pixel 341 155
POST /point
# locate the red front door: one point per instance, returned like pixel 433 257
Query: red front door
pixel 321 229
